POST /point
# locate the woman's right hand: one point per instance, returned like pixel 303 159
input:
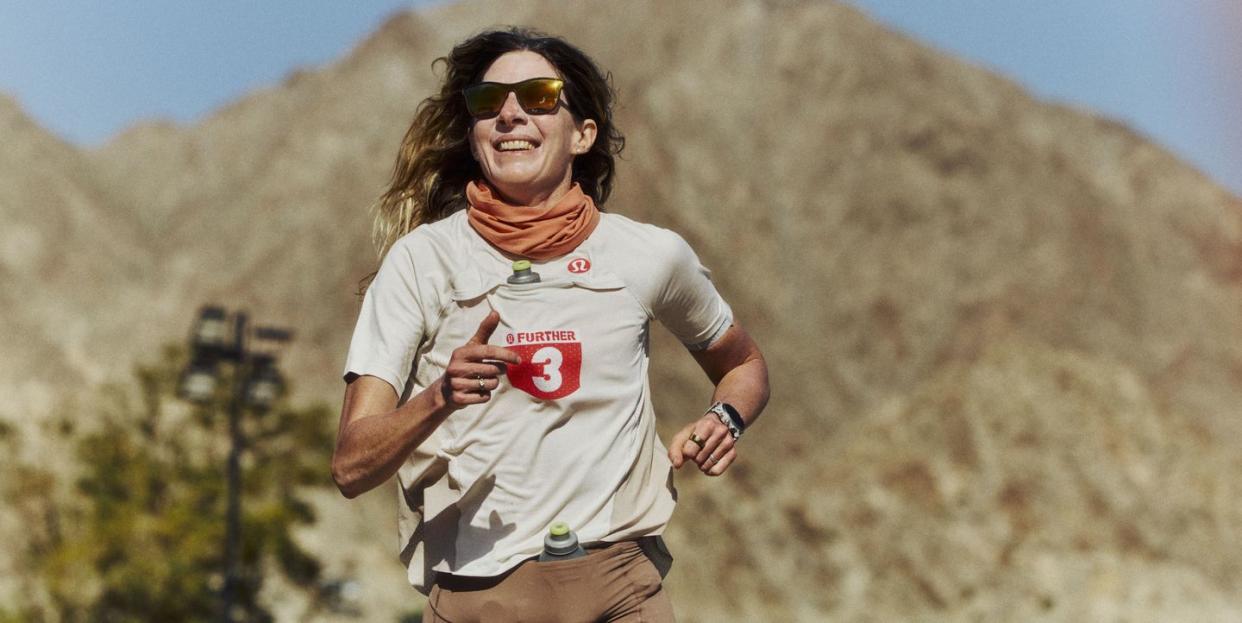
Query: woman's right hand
pixel 474 369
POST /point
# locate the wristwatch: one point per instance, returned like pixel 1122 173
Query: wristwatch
pixel 729 417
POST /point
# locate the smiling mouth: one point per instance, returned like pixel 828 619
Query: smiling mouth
pixel 514 145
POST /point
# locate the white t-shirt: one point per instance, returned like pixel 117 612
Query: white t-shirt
pixel 570 433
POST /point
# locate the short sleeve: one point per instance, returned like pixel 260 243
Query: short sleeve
pixel 687 303
pixel 393 318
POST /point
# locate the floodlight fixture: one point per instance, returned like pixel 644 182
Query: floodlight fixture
pixel 264 385
pixel 210 335
pixel 197 383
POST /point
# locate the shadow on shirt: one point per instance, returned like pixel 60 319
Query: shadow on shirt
pixel 452 528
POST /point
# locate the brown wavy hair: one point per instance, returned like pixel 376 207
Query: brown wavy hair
pixel 434 162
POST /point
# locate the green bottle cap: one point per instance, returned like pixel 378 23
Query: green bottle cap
pixel 521 265
pixel 559 528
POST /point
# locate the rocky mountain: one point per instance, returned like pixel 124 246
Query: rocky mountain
pixel 1002 333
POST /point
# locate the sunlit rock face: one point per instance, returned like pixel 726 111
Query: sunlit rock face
pixel 1003 335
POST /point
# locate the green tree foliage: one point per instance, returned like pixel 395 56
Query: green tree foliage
pixel 138 534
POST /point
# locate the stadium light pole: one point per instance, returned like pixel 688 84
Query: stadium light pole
pixel 256 384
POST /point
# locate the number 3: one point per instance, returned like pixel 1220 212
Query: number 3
pixel 550 358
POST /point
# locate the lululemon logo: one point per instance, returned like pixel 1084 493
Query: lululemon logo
pixel 579 265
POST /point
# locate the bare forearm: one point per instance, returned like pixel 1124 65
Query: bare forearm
pixel 375 438
pixel 745 387
pixel 369 450
pixel 737 368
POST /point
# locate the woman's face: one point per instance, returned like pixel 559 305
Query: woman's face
pixel 527 157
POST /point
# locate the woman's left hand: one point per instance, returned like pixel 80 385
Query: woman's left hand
pixel 707 443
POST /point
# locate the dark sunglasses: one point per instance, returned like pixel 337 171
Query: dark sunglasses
pixel 537 96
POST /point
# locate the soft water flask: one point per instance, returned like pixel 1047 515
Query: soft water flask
pixel 522 273
pixel 560 544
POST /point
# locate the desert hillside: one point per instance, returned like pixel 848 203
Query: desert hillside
pixel 1003 334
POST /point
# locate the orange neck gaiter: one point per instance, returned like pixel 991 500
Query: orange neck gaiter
pixel 531 233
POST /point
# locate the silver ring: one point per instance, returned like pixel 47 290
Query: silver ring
pixel 712 458
pixel 480 384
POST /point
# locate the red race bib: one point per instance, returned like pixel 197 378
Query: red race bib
pixel 548 371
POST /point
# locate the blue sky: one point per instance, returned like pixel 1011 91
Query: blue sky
pixel 1167 68
pixel 85 70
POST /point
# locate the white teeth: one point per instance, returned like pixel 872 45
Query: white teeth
pixel 515 145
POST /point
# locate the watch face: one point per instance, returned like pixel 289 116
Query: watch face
pixel 725 411
pixel 722 411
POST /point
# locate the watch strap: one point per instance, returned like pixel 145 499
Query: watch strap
pixel 729 417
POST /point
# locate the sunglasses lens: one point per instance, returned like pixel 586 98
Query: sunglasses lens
pixel 539 96
pixel 486 99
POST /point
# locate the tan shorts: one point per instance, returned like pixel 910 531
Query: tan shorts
pixel 614 583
